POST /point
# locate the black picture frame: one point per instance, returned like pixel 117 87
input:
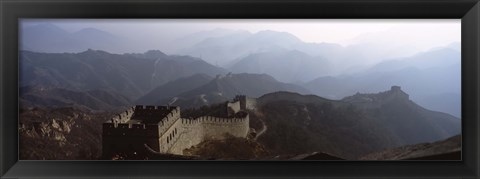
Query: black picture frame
pixel 466 10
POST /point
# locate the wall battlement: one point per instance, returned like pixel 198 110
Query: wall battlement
pixel 162 129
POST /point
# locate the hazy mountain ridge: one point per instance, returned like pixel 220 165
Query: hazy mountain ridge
pixel 53 39
pixel 194 38
pixel 418 74
pixel 322 115
pixel 424 76
pixel 303 124
pixel 37 96
pixel 226 50
pixel 439 57
pixel 284 65
pixel 398 113
pixel 131 75
pixel 224 88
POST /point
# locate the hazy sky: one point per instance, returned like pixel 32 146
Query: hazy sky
pixel 422 34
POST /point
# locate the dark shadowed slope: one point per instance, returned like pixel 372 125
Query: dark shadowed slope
pixel 37 96
pixel 348 128
pixel 452 144
pixel 410 122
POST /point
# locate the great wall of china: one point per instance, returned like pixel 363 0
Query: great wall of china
pixel 161 129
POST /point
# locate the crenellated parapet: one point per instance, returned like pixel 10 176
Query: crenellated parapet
pixel 194 131
pixel 220 120
pixel 122 117
pixel 163 129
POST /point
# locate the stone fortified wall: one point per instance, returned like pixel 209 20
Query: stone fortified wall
pixel 193 132
pixel 122 134
pixel 131 130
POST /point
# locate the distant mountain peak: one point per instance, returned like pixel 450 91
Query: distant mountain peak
pixel 93 51
pixel 154 54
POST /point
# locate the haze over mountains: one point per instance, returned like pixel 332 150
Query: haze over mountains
pixel 131 75
pixel 50 38
pixel 344 100
pixel 432 77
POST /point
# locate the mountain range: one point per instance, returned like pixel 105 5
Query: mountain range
pixel 131 75
pixel 228 47
pixel 94 100
pixel 431 78
pixel 349 128
pixel 312 96
pixel 150 78
pixel 216 90
pixel 298 121
pixel 285 65
pixel 53 39
pixel 231 48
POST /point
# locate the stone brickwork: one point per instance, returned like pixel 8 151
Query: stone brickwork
pixel 162 129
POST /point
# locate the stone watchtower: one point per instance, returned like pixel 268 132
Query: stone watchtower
pixel 243 101
pixel 398 93
pixel 395 88
pixel 130 132
pixel 145 130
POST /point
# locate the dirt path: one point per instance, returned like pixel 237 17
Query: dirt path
pixel 264 129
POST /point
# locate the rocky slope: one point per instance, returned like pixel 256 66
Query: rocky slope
pixel 230 148
pixel 60 134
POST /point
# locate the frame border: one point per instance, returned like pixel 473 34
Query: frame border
pixel 467 10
